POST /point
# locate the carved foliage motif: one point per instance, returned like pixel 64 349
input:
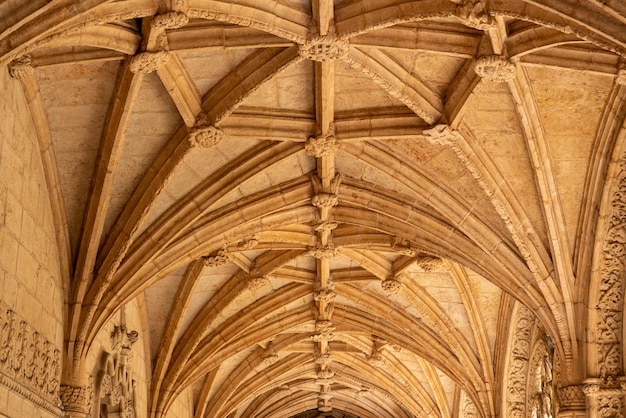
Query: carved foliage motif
pixel 518 363
pixel 610 300
pixel 321 146
pixel 28 358
pixel 324 48
pixel 473 14
pixel 610 406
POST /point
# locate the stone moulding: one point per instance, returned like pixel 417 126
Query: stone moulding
pixel 496 68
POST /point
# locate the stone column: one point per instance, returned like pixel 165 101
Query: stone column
pixel 572 402
pixel 605 396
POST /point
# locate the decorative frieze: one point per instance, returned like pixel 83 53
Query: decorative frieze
pixel 324 48
pixel 496 68
pixel 21 68
pixel 28 358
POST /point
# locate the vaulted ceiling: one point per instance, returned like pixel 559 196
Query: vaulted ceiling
pixel 325 205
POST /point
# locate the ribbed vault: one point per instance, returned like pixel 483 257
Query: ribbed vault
pixel 327 208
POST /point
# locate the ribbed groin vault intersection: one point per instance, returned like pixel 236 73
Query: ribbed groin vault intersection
pixel 312 208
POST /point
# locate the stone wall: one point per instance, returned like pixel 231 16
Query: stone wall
pixel 31 288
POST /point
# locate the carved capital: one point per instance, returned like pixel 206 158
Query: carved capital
pixel 496 68
pixel 21 68
pixel 170 20
pixel 324 48
pixel 391 286
pixel 148 61
pixel 74 398
pixel 572 397
pixel 321 146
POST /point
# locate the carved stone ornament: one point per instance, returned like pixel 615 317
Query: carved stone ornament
pixel 324 331
pixel 28 360
pixel 324 381
pixel 248 244
pixel 73 398
pixel 21 68
pixel 572 397
pixel 256 280
pixel 148 61
pixel 325 295
pixel 518 363
pixel 325 374
pixel 473 14
pixel 325 200
pixel 391 286
pixel 440 134
pixel 219 259
pixel 321 146
pixel 609 316
pixel 284 390
pixel 326 226
pixel 324 48
pixel 364 391
pixel 403 247
pixel 170 20
pixel 205 136
pixel 115 385
pixel 324 360
pixel 429 263
pixel 496 68
pixel 325 252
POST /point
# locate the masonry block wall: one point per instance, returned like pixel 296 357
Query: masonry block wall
pixel 31 288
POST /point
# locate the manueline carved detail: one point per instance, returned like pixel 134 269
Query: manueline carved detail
pixel 473 14
pixel 321 146
pixel 170 20
pixel 610 302
pixel 218 259
pixel 28 358
pixel 324 48
pixel 496 68
pixel 148 61
pixel 391 286
pixel 572 397
pixel 21 68
pixel 256 280
pixel 518 364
